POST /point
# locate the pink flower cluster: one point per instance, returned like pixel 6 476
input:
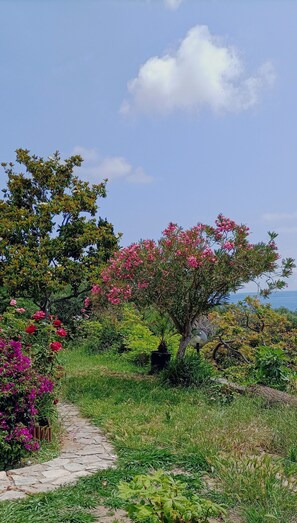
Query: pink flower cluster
pixel 160 267
pixel 39 315
pixel 193 262
pixel 116 294
pixel 228 246
pixel 225 224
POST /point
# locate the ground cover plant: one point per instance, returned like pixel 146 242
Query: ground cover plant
pixel 160 498
pixel 183 430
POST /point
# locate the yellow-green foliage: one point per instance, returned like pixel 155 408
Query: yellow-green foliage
pixel 137 337
pixel 250 324
pixel 91 329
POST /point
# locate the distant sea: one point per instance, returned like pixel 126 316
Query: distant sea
pixel 278 299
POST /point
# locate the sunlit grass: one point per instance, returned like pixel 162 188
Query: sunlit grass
pixel 152 426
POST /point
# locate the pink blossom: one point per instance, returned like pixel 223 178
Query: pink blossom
pixel 13 303
pixel 142 285
pixel 192 261
pixel 61 332
pixel 228 246
pixel 96 289
pixel 39 315
pixel 21 310
pixel 87 301
pixel 170 229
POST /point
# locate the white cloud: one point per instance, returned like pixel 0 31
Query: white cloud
pixel 95 168
pixel 173 4
pixel 279 216
pixel 202 72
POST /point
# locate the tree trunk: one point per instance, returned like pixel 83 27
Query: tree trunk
pixel 184 342
pixel 271 396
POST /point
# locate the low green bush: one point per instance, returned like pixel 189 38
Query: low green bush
pixel 192 370
pixel 270 367
pixel 109 337
pixel 138 339
pixel 160 498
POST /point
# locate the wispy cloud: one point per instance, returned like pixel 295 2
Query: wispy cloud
pixel 202 72
pixel 95 167
pixel 279 216
pixel 173 4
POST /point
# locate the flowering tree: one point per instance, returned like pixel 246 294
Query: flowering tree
pixel 51 244
pixel 188 272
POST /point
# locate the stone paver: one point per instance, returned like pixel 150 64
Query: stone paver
pixel 85 450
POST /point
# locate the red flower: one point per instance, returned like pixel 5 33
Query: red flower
pixel 61 332
pixel 56 346
pixel 31 329
pixel 39 315
pixel 57 323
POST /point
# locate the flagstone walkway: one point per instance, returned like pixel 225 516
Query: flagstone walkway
pixel 85 450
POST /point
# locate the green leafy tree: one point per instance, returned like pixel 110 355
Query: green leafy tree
pixel 51 242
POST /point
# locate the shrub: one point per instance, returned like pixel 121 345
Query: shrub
pixel 138 340
pixel 109 337
pixel 29 373
pixel 159 498
pixel 270 367
pixel 193 370
pixel 23 391
pixel 243 327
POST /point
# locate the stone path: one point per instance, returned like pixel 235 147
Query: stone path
pixel 85 450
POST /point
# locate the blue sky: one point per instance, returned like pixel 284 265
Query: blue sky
pixel 188 107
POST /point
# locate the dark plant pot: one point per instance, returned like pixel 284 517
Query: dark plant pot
pixel 43 431
pixel 159 360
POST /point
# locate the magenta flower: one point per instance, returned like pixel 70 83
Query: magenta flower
pixel 39 315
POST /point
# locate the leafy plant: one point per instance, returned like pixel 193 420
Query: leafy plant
pixel 159 498
pixel 159 323
pixel 193 370
pixel 270 367
pixel 109 337
pixel 138 339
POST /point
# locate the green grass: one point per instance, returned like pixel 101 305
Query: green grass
pixel 152 426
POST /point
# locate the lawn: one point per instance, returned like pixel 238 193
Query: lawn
pixel 236 451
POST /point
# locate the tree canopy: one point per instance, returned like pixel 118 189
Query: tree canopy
pixel 50 238
pixel 188 272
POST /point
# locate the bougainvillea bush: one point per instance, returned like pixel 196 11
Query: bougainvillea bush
pixel 188 272
pixel 29 375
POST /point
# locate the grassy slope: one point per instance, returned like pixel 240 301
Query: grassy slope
pixel 152 426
